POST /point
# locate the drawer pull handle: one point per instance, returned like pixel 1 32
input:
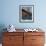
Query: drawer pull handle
pixel 33 39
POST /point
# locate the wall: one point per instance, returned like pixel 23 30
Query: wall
pixel 9 13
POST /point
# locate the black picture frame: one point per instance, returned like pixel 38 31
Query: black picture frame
pixel 26 13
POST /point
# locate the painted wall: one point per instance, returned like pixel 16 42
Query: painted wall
pixel 9 13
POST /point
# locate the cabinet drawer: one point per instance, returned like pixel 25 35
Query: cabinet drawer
pixel 37 44
pixel 13 44
pixel 34 33
pixel 37 39
pixel 13 33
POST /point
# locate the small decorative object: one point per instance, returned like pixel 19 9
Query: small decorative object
pixel 32 30
pixel 26 13
pixel 26 30
pixel 11 28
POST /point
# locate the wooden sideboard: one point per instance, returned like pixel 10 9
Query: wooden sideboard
pixel 23 38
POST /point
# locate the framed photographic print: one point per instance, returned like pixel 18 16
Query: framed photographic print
pixel 26 13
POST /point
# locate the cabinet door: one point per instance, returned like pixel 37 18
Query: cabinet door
pixel 13 40
pixel 37 40
pixel 27 40
pixel 33 39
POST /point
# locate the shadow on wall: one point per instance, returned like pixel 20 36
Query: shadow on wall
pixel 2 26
